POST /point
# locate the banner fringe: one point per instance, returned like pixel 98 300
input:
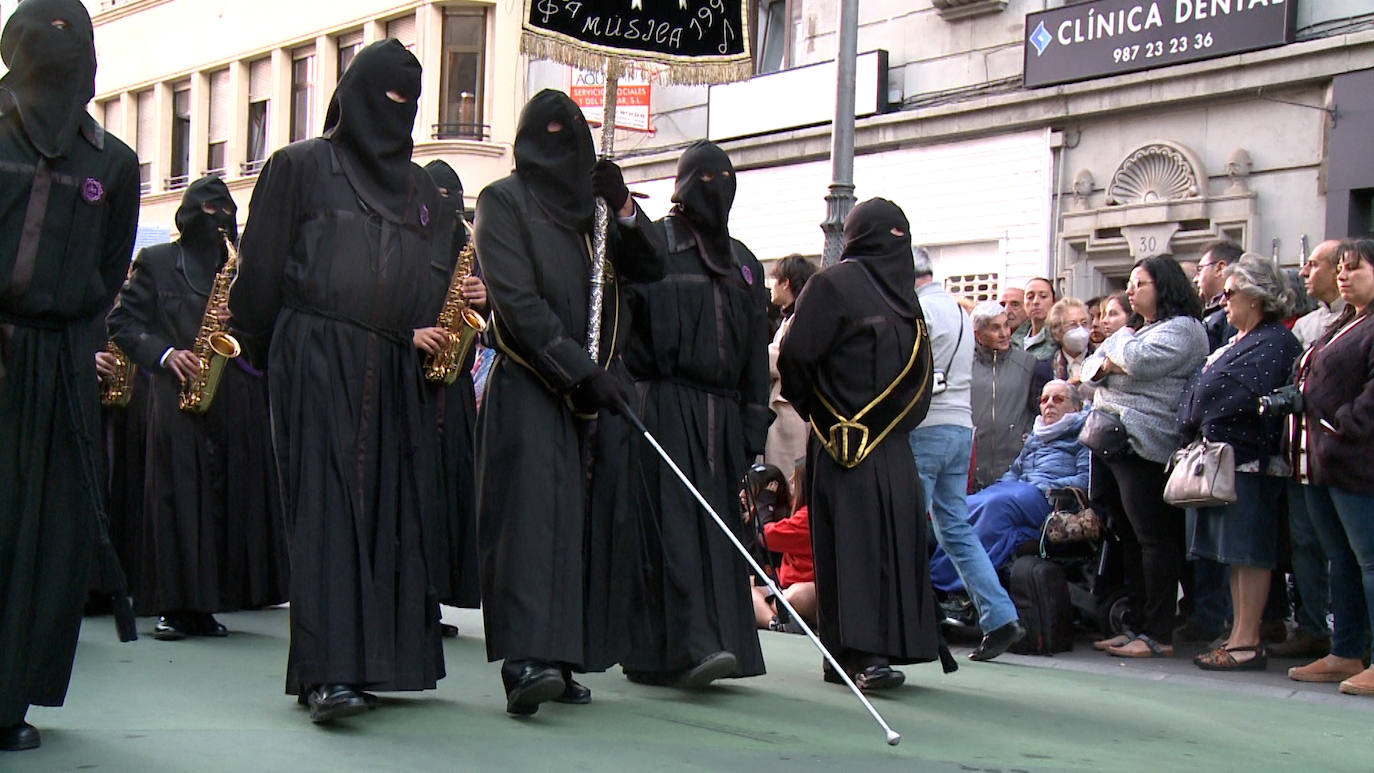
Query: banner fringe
pixel 682 71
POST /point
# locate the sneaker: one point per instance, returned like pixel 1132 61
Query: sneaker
pixel 1302 645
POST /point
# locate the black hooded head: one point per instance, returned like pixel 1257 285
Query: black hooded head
pixel 371 131
pixel 556 166
pixel 877 234
pixel 451 193
pixel 49 48
pixel 703 194
pixel 202 246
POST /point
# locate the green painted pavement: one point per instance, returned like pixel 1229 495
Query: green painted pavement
pixel 217 705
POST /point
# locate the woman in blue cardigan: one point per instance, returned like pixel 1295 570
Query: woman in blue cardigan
pixel 1222 404
pixel 1012 510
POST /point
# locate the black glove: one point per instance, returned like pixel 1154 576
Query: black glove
pixel 609 184
pixel 600 390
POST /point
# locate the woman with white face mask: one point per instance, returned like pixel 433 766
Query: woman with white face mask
pixel 1071 328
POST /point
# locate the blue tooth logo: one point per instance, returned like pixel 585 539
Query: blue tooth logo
pixel 1041 39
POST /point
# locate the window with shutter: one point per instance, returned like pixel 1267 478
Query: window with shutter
pixel 259 95
pixel 220 108
pixel 403 29
pixel 145 139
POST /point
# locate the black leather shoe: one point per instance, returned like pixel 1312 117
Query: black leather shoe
pixel 879 677
pixel 329 702
pixel 997 642
pixel 169 628
pixel 575 693
pixel 448 631
pixel 19 738
pixel 536 684
pixel 717 665
pixel 205 624
pixel 652 678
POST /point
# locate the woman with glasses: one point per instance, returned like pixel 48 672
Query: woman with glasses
pixel 1012 510
pixel 1223 406
pixel 1139 375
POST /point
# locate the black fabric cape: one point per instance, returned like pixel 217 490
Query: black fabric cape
pixel 332 291
pixel 698 352
pixel 126 446
pixel 49 406
pixel 849 341
pixel 554 550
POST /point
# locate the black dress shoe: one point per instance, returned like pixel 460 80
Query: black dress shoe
pixel 652 678
pixel 879 677
pixel 997 642
pixel 20 737
pixel 575 693
pixel 169 628
pixel 205 624
pixel 329 702
pixel 536 684
pixel 448 631
pixel 717 665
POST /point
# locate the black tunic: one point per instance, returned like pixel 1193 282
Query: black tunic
pixel 338 289
pixel 126 446
pixel 457 413
pixel 553 551
pixel 698 352
pixel 49 406
pixel 868 531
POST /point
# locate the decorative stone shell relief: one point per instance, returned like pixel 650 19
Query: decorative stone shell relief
pixel 1157 172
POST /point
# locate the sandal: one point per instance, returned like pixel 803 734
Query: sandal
pixel 1155 649
pixel 1221 659
pixel 1120 640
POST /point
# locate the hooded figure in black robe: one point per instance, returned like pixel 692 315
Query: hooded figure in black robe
pixel 554 499
pixel 344 255
pixel 68 210
pixel 698 352
pixel 211 526
pixel 856 364
pixel 456 406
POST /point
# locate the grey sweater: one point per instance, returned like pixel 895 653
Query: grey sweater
pixel 1158 360
pixel 946 319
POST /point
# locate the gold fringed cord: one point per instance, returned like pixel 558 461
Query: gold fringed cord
pixel 683 71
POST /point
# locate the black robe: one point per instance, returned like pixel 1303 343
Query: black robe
pixel 457 413
pixel 126 445
pixel 209 493
pixel 338 289
pixel 698 352
pixel 553 550
pixel 868 529
pixel 50 484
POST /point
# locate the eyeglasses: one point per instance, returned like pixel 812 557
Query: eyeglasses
pixel 1055 399
pixel 1208 264
pixel 1136 287
pixel 1229 293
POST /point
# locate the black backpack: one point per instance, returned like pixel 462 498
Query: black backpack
pixel 1040 592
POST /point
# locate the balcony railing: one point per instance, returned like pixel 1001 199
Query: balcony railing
pixel 461 131
pixel 250 168
pixel 176 182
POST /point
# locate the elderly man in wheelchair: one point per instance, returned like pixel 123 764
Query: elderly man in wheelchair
pixel 1013 510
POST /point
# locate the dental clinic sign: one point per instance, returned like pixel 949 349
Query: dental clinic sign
pixel 1089 40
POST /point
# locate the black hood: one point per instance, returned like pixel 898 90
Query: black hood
pixel 706 205
pixel 451 194
pixel 877 235
pixel 202 246
pixel 370 132
pixel 557 166
pixel 51 71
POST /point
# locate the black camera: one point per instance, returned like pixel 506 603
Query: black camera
pixel 1281 402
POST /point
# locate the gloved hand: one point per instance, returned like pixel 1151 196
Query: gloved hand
pixel 609 184
pixel 600 390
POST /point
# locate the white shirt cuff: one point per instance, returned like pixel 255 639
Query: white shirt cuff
pixel 162 361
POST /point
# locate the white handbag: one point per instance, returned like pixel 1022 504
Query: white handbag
pixel 1202 474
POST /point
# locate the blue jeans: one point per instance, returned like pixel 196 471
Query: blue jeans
pixel 1309 565
pixel 942 456
pixel 1341 519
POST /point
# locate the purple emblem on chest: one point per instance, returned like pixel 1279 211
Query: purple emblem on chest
pixel 92 191
pixel 748 275
pixel 424 215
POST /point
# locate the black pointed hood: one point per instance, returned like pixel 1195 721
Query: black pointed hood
pixel 370 132
pixel 705 204
pixel 878 235
pixel 202 246
pixel 451 194
pixel 51 71
pixel 557 166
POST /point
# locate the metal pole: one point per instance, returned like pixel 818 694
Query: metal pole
pixel 840 199
pixel 603 215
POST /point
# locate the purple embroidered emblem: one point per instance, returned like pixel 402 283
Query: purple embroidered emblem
pixel 748 275
pixel 92 191
pixel 424 214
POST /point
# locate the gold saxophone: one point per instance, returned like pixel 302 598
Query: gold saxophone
pixel 118 391
pixel 214 345
pixel 458 319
